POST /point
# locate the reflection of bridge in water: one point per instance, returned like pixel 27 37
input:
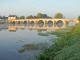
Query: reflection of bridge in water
pixel 49 26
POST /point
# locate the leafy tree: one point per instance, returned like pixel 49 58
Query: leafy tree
pixel 39 15
pixel 79 18
pixel 35 16
pixel 29 17
pixel 44 15
pixel 22 17
pixel 58 15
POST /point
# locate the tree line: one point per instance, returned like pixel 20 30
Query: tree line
pixel 40 15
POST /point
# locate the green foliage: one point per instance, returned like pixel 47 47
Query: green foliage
pixel 66 47
pixel 29 17
pixel 58 15
pixel 79 18
pixel 21 50
pixel 44 15
pixel 39 15
pixel 22 17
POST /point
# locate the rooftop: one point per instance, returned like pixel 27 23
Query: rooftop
pixel 12 16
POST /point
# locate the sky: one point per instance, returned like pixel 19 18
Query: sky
pixel 69 8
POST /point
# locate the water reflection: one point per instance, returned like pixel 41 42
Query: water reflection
pixel 31 26
pixel 60 23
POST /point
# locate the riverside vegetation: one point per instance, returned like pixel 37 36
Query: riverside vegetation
pixel 67 47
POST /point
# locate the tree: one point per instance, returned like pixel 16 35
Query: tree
pixel 29 17
pixel 39 15
pixel 58 15
pixel 79 18
pixel 44 15
pixel 35 16
pixel 22 17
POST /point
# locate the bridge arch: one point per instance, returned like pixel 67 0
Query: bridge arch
pixel 50 23
pixel 40 23
pixel 25 22
pixel 13 22
pixel 32 23
pixel 71 22
pixel 60 23
pixel 18 22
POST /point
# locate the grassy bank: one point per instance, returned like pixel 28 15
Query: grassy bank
pixel 67 47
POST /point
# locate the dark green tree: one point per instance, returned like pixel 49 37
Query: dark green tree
pixel 44 15
pixel 79 18
pixel 39 15
pixel 22 17
pixel 58 15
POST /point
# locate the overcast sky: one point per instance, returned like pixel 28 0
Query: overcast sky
pixel 69 8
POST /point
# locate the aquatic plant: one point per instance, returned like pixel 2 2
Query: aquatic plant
pixel 30 47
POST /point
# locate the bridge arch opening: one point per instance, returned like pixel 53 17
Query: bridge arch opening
pixel 40 23
pixel 13 22
pixel 50 23
pixel 71 22
pixel 25 22
pixel 59 23
pixel 32 23
pixel 18 22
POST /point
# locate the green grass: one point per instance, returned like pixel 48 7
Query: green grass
pixel 67 47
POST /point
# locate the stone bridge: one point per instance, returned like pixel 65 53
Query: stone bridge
pixel 43 20
pixel 38 21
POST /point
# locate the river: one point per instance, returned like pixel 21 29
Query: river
pixel 13 37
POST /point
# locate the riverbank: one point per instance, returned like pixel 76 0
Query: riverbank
pixel 67 47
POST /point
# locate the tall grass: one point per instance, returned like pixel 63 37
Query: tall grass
pixel 67 47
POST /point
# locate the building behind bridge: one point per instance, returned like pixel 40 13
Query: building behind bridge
pixel 12 17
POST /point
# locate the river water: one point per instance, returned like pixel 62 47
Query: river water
pixel 13 37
